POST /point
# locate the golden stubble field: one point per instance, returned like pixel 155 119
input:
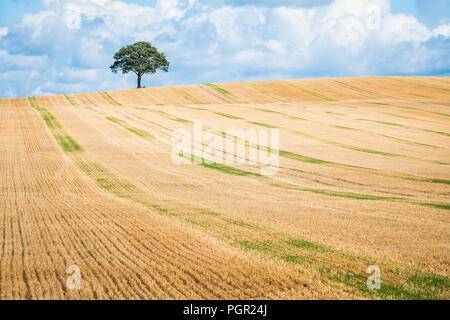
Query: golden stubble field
pixel 364 179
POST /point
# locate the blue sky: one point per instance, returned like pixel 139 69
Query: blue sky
pixel 61 46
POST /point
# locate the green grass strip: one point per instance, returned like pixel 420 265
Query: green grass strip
pixel 303 244
pixel 266 93
pixel 430 87
pixel 439 181
pixel 34 104
pixel 71 100
pixel 110 99
pixel 443 206
pixel 382 122
pixel 189 97
pixel 306 159
pixel 440 113
pixel 253 246
pixel 407 127
pixel 349 128
pixel 346 146
pixel 116 120
pixel 340 194
pixel 428 281
pixel 218 89
pixel 378 103
pixel 358 196
pixel 218 167
pixel 244 224
pixel 399 116
pixel 335 113
pixel 388 137
pixel 193 108
pixel 266 125
pixel 103 183
pixel 359 149
pixel 341 145
pixel 417 85
pixel 302 158
pixel 292 155
pixel 229 170
pixel 388 290
pixel 416 285
pixel 280 113
pixel 168 116
pixel 409 108
pixel 432 131
pixel 226 115
pixel 311 93
pixel 269 111
pixel 183 120
pixel 49 119
pixel 67 143
pixel 139 132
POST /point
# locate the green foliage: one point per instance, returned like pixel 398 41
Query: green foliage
pixel 140 58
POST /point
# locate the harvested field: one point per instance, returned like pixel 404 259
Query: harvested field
pixel 364 179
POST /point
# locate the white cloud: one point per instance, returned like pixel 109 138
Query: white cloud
pixel 73 19
pixel 3 31
pixel 47 3
pixel 277 3
pixel 443 30
pixel 18 61
pixel 221 41
pixel 35 23
pixel 92 53
pixel 79 75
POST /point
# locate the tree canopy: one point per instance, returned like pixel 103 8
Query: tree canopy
pixel 140 58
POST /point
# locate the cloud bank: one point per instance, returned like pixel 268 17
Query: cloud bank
pixel 68 46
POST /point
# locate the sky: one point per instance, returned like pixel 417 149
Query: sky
pixel 66 46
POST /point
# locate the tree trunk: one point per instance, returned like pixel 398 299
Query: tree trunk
pixel 139 80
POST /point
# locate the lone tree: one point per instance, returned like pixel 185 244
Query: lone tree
pixel 140 58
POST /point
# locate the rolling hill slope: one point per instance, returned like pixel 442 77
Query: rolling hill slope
pixel 364 179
